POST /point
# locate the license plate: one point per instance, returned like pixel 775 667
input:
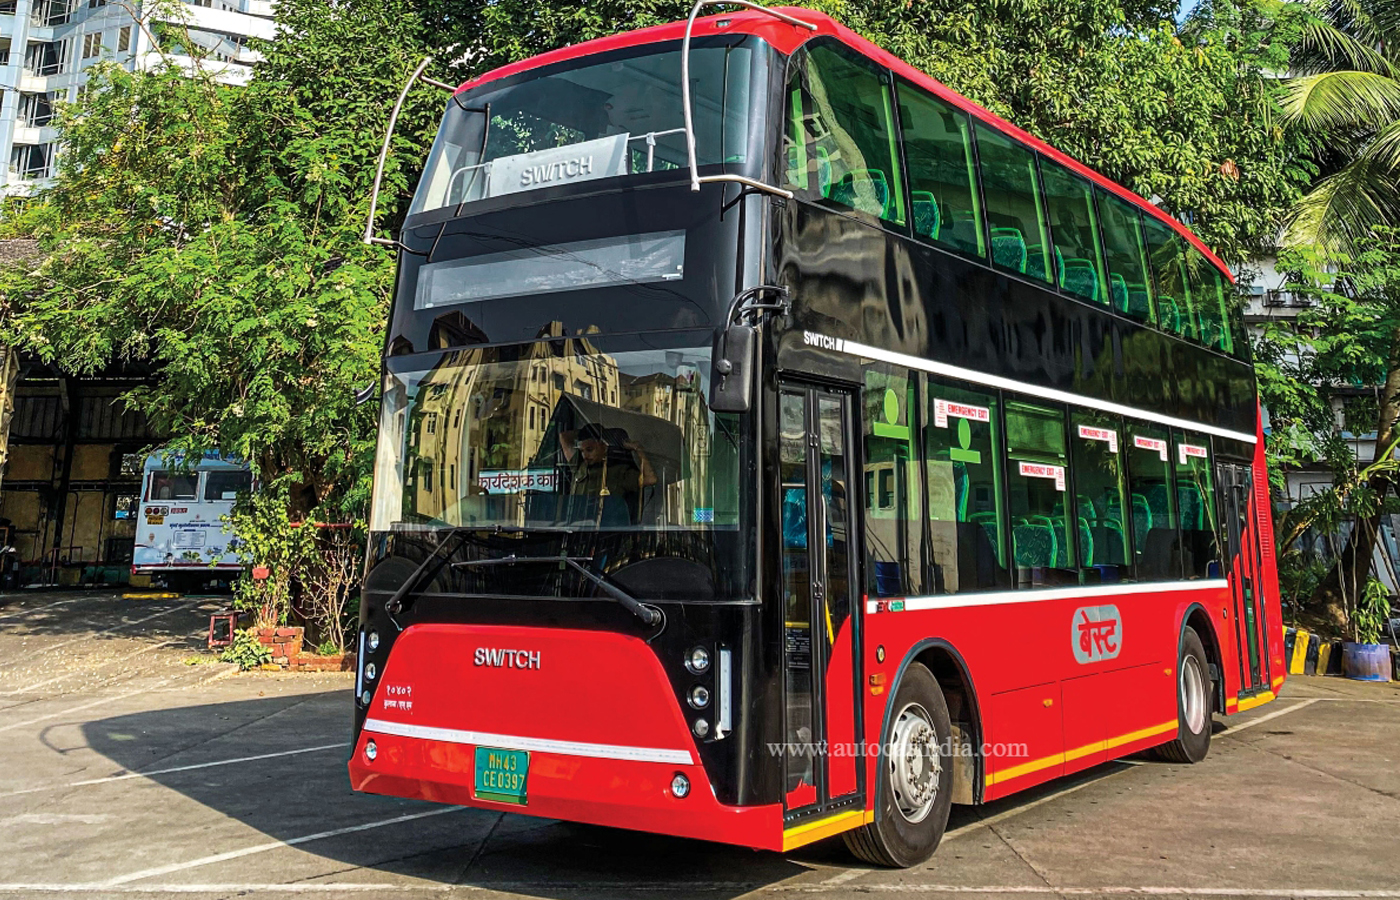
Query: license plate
pixel 501 774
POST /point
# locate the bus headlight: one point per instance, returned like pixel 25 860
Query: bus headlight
pixel 699 696
pixel 702 728
pixel 680 785
pixel 365 697
pixel 372 641
pixel 698 660
pixel 371 751
pixel 370 671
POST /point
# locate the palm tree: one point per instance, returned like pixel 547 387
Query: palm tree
pixel 1346 93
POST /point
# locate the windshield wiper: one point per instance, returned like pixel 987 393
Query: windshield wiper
pixel 395 603
pixel 649 615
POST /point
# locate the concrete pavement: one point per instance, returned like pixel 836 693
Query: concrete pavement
pixel 126 772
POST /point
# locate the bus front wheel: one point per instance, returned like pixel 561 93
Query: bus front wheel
pixel 914 790
pixel 1193 703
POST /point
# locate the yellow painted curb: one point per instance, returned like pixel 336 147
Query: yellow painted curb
pixel 151 596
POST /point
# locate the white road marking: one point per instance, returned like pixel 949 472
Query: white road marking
pixel 38 684
pixel 1250 723
pixel 205 765
pixel 55 819
pixel 101 700
pixel 272 845
pixel 843 877
pixel 30 609
pixel 87 637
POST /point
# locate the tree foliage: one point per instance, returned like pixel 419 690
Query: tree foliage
pixel 213 232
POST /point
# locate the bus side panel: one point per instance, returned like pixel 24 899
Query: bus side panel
pixel 1112 703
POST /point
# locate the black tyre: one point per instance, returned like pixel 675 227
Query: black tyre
pixel 915 788
pixel 1194 700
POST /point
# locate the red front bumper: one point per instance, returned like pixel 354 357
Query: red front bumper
pixel 595 711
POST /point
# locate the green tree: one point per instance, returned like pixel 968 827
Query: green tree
pixel 1346 92
pixel 1344 347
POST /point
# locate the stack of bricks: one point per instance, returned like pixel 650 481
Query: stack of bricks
pixel 284 641
pixel 310 662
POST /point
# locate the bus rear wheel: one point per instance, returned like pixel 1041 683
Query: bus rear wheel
pixel 914 790
pixel 1193 703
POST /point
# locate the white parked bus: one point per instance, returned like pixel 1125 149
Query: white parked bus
pixel 180 532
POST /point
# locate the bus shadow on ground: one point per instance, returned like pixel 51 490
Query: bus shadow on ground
pixel 290 796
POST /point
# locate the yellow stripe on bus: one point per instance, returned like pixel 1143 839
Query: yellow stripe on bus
pixel 1257 700
pixel 1046 762
pixel 809 832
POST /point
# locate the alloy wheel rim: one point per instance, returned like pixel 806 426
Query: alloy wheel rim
pixel 915 763
pixel 1193 695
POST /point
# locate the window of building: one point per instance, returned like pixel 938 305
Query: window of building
pixel 963 483
pixel 92 44
pixel 124 39
pixel 173 486
pixel 893 499
pixel 1011 193
pixel 430 423
pixel 1074 226
pixel 1129 279
pixel 124 507
pixel 945 208
pixel 1100 505
pixel 1156 548
pixel 1042 538
pixel 840 141
pixel 1195 493
pixel 558 382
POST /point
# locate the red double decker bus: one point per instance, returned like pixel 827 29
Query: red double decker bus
pixel 776 445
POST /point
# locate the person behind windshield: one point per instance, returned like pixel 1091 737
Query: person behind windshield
pixel 608 474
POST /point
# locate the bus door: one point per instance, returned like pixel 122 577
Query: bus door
pixel 817 502
pixel 1237 486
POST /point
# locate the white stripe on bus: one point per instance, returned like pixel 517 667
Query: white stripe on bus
pixel 949 371
pixel 543 745
pixel 1032 595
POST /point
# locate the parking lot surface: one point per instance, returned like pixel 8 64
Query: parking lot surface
pixel 131 771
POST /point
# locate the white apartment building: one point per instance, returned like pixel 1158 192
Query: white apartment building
pixel 47 46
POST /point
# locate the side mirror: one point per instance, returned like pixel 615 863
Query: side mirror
pixel 731 382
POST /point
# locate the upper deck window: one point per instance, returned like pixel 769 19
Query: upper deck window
pixel 840 140
pixel 1011 186
pixel 945 205
pixel 586 119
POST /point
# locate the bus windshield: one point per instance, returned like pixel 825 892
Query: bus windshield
pixel 557 434
pixel 580 121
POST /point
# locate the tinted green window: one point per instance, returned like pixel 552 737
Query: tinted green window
pixel 1042 533
pixel 1069 202
pixel 892 489
pixel 1151 491
pixel 1209 297
pixel 840 142
pixel 1011 193
pixel 1129 278
pixel 944 208
pixel 1195 494
pixel 1100 502
pixel 1175 311
pixel 962 473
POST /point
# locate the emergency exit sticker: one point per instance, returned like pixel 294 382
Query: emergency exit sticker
pixel 1191 451
pixel 1145 443
pixel 1039 470
pixel 1107 435
pixel 942 409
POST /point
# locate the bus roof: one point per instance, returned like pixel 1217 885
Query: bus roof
pixel 787 38
pixel 173 459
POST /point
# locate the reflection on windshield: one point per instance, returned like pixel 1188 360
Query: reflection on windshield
pixel 557 434
pixel 592 121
